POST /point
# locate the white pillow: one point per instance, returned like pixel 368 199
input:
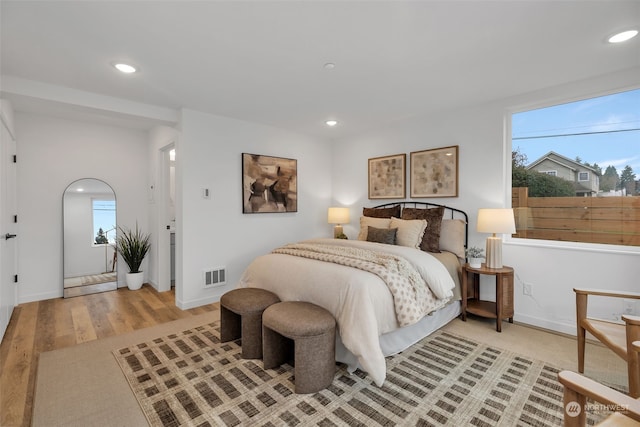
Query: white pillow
pixel 367 221
pixel 410 231
pixel 452 236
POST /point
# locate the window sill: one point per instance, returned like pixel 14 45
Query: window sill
pixel 574 246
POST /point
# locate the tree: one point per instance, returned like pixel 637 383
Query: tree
pixel 594 166
pixel 628 180
pixel 518 159
pixel 541 184
pixel 609 180
pixel 101 238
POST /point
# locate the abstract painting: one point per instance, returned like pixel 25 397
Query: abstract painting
pixel 269 184
pixel 387 177
pixel 434 173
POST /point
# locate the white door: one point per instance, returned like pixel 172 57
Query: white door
pixel 8 227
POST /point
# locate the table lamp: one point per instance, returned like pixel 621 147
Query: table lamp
pixel 495 221
pixel 338 216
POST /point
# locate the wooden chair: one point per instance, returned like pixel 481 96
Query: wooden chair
pixel 578 388
pixel 618 337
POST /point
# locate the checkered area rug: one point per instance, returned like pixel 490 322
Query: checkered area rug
pixel 191 379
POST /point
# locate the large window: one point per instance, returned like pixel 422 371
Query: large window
pixel 576 170
pixel 104 220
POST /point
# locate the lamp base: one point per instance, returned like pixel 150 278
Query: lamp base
pixel 337 230
pixel 494 252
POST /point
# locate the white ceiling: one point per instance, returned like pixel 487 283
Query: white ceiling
pixel 262 61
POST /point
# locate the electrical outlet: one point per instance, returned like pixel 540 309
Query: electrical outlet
pixel 527 289
pixel 628 306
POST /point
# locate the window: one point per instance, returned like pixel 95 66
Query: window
pixel 104 220
pixel 575 170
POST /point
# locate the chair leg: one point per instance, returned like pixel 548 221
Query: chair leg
pixel 633 359
pixel 252 336
pixel 574 408
pixel 229 325
pixel 581 313
pixel 275 348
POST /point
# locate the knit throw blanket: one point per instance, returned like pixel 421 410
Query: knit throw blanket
pixel 411 294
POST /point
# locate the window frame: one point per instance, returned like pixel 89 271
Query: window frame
pixel 508 149
pixel 584 180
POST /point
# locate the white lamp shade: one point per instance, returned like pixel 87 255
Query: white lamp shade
pixel 499 221
pixel 338 216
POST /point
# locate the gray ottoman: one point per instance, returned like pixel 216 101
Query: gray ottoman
pixel 241 317
pixel 306 334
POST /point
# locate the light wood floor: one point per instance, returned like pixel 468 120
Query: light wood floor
pixel 52 324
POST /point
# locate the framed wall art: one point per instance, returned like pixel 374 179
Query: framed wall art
pixel 269 184
pixel 434 173
pixel 387 177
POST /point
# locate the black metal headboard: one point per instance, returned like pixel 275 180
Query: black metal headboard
pixel 448 211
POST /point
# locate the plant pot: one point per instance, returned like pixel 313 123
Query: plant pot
pixel 475 262
pixel 134 280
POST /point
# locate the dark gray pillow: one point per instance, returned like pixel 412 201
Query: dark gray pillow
pixel 382 212
pixel 433 216
pixel 382 235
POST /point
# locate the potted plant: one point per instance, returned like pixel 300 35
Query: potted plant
pixel 475 256
pixel 133 247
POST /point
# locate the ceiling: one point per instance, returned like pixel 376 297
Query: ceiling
pixel 263 61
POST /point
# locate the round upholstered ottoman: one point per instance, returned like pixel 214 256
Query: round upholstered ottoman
pixel 241 317
pixel 305 333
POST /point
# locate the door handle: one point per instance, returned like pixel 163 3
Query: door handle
pixel 9 236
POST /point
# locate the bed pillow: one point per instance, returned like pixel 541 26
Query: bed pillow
pixel 366 222
pixel 382 212
pixel 452 237
pixel 433 216
pixel 410 231
pixel 382 235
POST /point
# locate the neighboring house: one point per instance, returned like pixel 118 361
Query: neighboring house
pixel 586 180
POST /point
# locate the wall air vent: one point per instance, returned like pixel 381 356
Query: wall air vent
pixel 215 277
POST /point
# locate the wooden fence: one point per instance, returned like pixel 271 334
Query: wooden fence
pixel 610 220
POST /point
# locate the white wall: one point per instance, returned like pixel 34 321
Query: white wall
pixel 484 166
pixel 215 232
pixel 52 153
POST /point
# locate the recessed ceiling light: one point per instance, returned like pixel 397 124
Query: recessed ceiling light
pixel 80 190
pixel 331 123
pixel 125 68
pixel 623 36
pixel 329 66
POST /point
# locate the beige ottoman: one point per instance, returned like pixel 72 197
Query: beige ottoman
pixel 306 334
pixel 241 317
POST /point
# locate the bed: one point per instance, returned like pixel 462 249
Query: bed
pixel 372 305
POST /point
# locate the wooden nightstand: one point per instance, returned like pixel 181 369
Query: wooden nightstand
pixel 499 310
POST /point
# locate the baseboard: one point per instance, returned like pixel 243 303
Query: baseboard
pixel 185 305
pixel 563 328
pixel 23 299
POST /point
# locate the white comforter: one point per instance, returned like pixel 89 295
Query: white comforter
pixel 360 301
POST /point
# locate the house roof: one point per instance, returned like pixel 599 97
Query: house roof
pixel 562 161
pixel 265 61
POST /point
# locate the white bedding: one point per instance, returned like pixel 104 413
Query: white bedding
pixel 360 301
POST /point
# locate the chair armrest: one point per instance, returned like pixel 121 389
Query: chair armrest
pixel 631 320
pixel 601 393
pixel 607 293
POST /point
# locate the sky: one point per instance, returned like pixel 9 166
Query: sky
pixel 616 117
